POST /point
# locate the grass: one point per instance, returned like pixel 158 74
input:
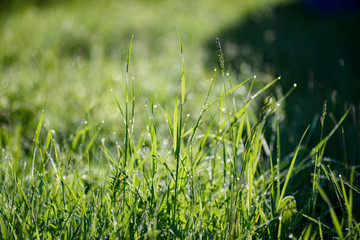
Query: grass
pixel 214 176
pixel 188 159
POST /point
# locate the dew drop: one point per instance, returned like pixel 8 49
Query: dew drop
pixel 280 218
pixel 214 69
pixel 188 115
pixel 295 85
pixel 85 122
pixel 341 62
pixel 111 90
pixel 339 175
pixel 155 106
pixel 291 235
pixel 227 74
pixel 254 76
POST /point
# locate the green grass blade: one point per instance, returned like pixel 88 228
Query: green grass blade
pixel 321 143
pixel 182 80
pixel 175 124
pixel 86 151
pixel 316 221
pixel 226 93
pixel 128 66
pixel 332 213
pixel 290 169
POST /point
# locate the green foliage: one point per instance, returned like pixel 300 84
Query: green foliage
pixel 200 180
pixel 140 164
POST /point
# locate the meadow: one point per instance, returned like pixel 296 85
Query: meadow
pixel 131 120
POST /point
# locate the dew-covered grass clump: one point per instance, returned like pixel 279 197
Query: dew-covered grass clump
pixel 214 174
pixel 199 158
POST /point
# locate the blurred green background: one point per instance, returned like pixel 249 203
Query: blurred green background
pixel 65 56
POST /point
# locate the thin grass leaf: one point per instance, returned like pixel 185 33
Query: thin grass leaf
pixel 182 79
pixel 316 221
pixel 321 143
pixel 332 213
pixel 290 169
pixel 175 125
pixel 89 145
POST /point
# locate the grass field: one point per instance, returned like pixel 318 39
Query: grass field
pixel 120 120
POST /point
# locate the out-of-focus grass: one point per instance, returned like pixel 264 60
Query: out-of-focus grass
pixel 66 57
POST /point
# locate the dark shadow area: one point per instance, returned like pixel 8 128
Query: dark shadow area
pixel 317 50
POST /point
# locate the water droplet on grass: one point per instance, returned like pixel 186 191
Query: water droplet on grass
pixel 227 74
pixel 291 235
pixel 280 218
pixel 85 122
pixel 341 62
pixel 295 85
pixel 254 76
pixel 188 115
